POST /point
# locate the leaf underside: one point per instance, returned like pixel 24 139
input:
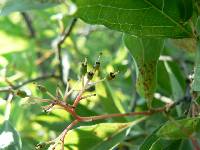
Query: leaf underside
pixel 146 52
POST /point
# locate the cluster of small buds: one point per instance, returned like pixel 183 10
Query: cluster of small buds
pixel 96 67
pixel 84 74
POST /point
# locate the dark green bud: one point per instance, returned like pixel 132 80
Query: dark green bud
pixel 96 65
pixel 91 89
pixel 83 70
pixel 90 75
pixel 42 88
pixel 21 94
pixel 111 76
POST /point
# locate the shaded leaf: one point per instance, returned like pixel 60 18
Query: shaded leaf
pixel 140 17
pixel 196 82
pixel 179 129
pixel 145 52
pixel 9 137
pixel 149 140
pixel 161 144
pixel 177 91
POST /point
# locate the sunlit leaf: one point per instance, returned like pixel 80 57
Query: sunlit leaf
pixel 98 137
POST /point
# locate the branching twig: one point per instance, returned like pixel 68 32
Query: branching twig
pixel 79 119
pixel 29 24
pixel 15 87
pixel 58 46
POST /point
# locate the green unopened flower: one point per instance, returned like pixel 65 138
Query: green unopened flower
pixel 90 75
pixel 96 65
pixel 83 69
pixel 21 93
pixel 111 75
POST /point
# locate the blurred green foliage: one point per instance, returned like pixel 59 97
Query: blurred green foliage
pixel 23 57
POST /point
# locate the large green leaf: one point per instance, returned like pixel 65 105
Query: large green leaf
pixel 158 18
pixel 98 137
pixel 24 5
pixel 145 52
pixel 110 101
pixel 9 137
pixel 179 129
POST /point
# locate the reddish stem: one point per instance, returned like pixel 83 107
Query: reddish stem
pixel 146 113
pixel 63 134
pixel 77 100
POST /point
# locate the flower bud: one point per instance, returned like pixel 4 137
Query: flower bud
pixel 90 75
pixel 111 75
pixel 21 94
pixel 83 69
pixel 96 65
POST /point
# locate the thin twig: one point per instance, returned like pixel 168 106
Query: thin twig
pixel 29 24
pixel 15 87
pixel 59 43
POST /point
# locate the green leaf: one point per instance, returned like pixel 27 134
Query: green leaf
pixel 155 18
pixel 98 137
pixel 9 137
pixel 57 119
pixel 110 102
pixel 24 5
pixel 161 144
pixel 179 129
pixel 175 85
pixel 196 82
pixel 154 142
pixel 145 52
pixel 149 140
